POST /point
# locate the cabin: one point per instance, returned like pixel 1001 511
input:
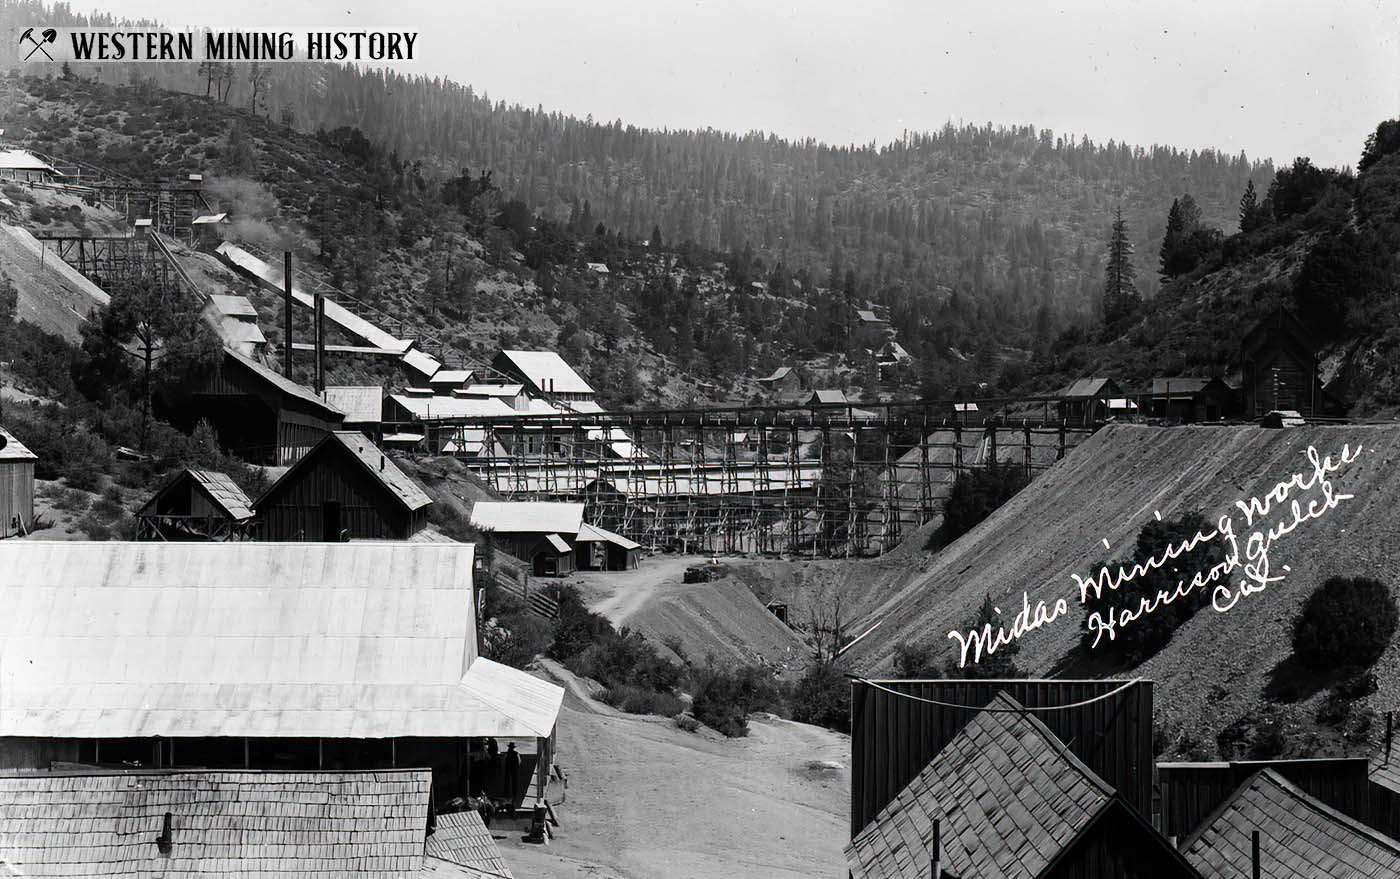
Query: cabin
pixel 545 374
pixel 536 533
pixel 1085 400
pixel 890 357
pixel 784 379
pixel 1280 368
pixel 236 321
pixel 25 167
pixel 345 488
pixel 1189 399
pixel 599 549
pixel 363 406
pixel 1009 798
pixel 1300 836
pixel 208 231
pixel 264 656
pixel 196 505
pixel 257 413
pixel 16 486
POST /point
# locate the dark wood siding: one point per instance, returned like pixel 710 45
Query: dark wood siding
pixel 893 738
pixel 16 497
pixel 1192 791
pixel 1117 846
pixel 295 508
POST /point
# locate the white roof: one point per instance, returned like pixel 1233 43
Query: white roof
pixel 514 390
pixel 362 404
pixel 11 449
pixel 233 306
pixel 543 367
pixel 23 160
pixel 428 408
pixel 599 267
pixel 560 544
pixel 526 516
pixel 587 407
pixel 338 640
pixel 208 219
pixel 594 534
pixel 451 376
pixel 1121 403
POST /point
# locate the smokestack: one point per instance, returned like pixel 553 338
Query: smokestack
pixel 937 869
pixel 287 313
pixel 1254 852
pixel 381 463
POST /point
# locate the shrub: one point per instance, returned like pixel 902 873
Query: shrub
pixel 823 697
pixel 915 660
pixel 723 699
pixel 515 639
pixel 1346 622
pixel 993 666
pixel 577 627
pixel 640 700
pixel 626 658
pixel 977 493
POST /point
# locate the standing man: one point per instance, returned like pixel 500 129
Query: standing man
pixel 512 772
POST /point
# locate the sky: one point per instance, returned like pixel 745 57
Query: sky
pixel 1274 78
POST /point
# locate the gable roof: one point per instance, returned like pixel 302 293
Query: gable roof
pixel 1010 797
pixel 362 404
pixel 513 517
pixel 827 396
pixel 1301 837
pixel 1090 387
pixel 334 640
pixel 547 371
pixel 374 460
pixel 11 449
pixel 463 839
pixel 218 487
pixel 1183 386
pixel 286 824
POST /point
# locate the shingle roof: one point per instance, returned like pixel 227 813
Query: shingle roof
pixel 1300 838
pixel 463 839
pixel 1010 797
pixel 510 517
pixel 1387 775
pixel 286 824
pixel 11 449
pixel 224 492
pixel 362 404
pixel 548 371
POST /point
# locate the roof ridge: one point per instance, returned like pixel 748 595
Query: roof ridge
pixel 1053 741
pixel 1322 808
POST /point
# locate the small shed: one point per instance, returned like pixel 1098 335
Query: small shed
pixel 196 505
pixel 1190 399
pixel 602 550
pixel 784 378
pixel 16 486
pixel 828 397
pixel 537 533
pixel 209 231
pixel 346 488
pixel 1085 400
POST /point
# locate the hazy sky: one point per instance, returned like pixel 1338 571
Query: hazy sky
pixel 1275 78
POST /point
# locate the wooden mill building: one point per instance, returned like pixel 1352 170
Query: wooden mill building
pixel 16 486
pixel 1190 399
pixel 1278 359
pixel 288 656
pixel 345 488
pixel 545 373
pixel 539 534
pixel 196 505
pixel 259 414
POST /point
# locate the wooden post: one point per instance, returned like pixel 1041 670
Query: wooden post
pixel 1254 850
pixel 287 313
pixel 1389 732
pixel 937 870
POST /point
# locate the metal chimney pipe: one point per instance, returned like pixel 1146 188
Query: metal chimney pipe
pixel 287 313
pixel 1254 847
pixel 937 869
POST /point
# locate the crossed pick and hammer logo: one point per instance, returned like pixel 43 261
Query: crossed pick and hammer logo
pixel 46 37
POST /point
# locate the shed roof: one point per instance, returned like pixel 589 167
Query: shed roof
pixel 868 316
pixel 548 371
pixel 333 640
pixel 451 377
pixel 530 517
pixel 1089 387
pixel 286 824
pixel 463 839
pixel 1301 837
pixel 558 544
pixel 509 390
pixel 24 160
pixel 11 449
pixel 210 219
pixel 448 407
pixel 593 534
pixel 233 306
pixel 362 404
pixel 1010 797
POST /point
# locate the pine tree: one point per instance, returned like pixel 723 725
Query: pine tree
pixel 1254 214
pixel 1171 240
pixel 1120 295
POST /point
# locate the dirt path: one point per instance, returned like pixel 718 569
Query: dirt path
pixel 623 593
pixel 649 801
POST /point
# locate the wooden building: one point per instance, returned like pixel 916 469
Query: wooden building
pixel 545 373
pixel 196 505
pixel 273 656
pixel 236 321
pixel 363 406
pixel 1384 790
pixel 1086 400
pixel 784 379
pixel 1191 792
pixel 601 550
pixel 24 166
pixel 16 486
pixel 539 534
pixel 208 231
pixel 1009 798
pixel 345 488
pixel 894 737
pixel 1190 399
pixel 1278 359
pixel 258 414
pixel 1300 837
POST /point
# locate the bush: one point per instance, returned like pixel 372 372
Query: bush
pixel 577 627
pixel 640 700
pixel 1346 622
pixel 976 494
pixel 915 661
pixel 626 658
pixel 723 699
pixel 515 639
pixel 823 697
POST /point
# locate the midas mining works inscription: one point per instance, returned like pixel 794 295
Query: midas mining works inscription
pixel 1248 532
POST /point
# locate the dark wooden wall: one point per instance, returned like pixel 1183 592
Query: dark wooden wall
pixel 894 738
pixel 1119 847
pixel 1192 791
pixel 293 510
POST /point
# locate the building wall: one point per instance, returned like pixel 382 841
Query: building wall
pixel 1191 793
pixel 297 510
pixel 16 497
pixel 1117 847
pixel 1277 378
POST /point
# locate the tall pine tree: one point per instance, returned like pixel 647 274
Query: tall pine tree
pixel 1120 295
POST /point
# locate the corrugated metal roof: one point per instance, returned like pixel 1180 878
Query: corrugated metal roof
pixel 531 703
pixel 380 466
pixel 1009 795
pixel 362 404
pixel 14 450
pixel 23 160
pixel 431 408
pixel 509 517
pixel 463 839
pixel 286 824
pixel 548 371
pixel 224 492
pixel 593 534
pixel 1301 837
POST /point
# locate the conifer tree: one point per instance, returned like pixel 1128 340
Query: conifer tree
pixel 1120 295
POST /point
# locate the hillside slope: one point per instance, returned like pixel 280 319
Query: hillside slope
pixel 1218 664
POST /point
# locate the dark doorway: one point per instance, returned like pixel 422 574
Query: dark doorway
pixel 330 521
